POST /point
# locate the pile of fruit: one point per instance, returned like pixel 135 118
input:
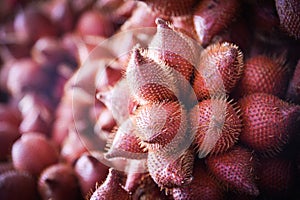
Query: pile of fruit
pixel 115 99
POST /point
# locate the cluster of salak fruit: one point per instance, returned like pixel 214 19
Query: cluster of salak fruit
pixel 208 108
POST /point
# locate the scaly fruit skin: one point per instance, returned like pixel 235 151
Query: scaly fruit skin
pixel 125 143
pixel 173 49
pixel 275 177
pixel 149 81
pixel 211 17
pixel 234 169
pixel 268 122
pixel 110 188
pixel 168 171
pixel 289 15
pixel 170 7
pixel 216 126
pixel 202 187
pixel 161 126
pixel 220 68
pixel 264 74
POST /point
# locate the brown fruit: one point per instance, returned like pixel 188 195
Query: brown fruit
pixel 161 127
pixel 220 67
pixel 110 189
pixel 33 153
pixel 211 17
pixel 168 171
pixel 202 187
pixel 268 122
pixel 59 182
pixel 149 81
pixel 216 126
pixel 125 143
pixel 264 74
pixel 170 7
pixel 16 185
pixel 289 15
pixel 234 169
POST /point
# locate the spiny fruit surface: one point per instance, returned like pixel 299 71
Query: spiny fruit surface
pixel 125 143
pixel 168 171
pixel 202 187
pixel 211 17
pixel 148 81
pixel 216 125
pixel 234 169
pixel 161 126
pixel 264 74
pixel 110 188
pixel 171 48
pixel 268 122
pixel 171 7
pixel 219 70
pixel 275 176
pixel 289 15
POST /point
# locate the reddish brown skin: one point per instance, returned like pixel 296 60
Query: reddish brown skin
pixel 89 171
pixel 168 172
pixel 217 15
pixel 125 143
pixel 268 122
pixel 171 8
pixel 20 75
pixel 229 68
pixel 8 135
pixel 289 15
pixel 94 23
pixel 108 78
pixel 201 120
pixel 173 115
pixel 33 153
pixel 59 182
pixel 264 74
pixel 72 147
pixel 276 176
pixel 110 188
pixel 16 185
pixel 234 169
pixel 147 90
pixel 202 187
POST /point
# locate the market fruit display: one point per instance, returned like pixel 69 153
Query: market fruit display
pixel 148 99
